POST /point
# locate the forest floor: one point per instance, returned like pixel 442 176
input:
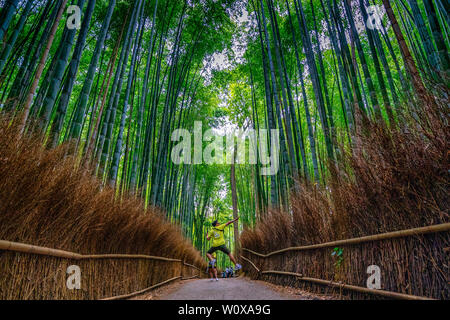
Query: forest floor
pixel 228 289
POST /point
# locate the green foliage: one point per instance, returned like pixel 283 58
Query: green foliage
pixel 122 114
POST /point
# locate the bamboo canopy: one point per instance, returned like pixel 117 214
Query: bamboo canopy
pixel 382 236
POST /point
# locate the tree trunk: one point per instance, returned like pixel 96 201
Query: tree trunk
pixel 234 200
pixel 407 58
pixel 7 17
pixel 37 76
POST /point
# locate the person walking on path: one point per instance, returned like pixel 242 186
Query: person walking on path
pixel 212 269
pixel 218 242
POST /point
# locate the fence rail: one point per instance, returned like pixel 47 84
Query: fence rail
pixel 32 249
pixel 45 251
pixel 136 293
pixel 445 227
pixel 382 236
pixel 340 285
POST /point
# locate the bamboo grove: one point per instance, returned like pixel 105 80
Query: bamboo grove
pixel 117 85
pixel 321 68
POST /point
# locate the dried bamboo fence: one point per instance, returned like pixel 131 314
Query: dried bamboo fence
pixel 35 272
pixel 413 263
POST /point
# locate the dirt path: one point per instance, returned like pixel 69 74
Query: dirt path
pixel 227 289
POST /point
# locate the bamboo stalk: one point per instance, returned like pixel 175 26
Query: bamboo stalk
pixel 125 296
pixel 40 67
pixel 382 236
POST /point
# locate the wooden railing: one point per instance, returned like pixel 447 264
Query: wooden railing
pixel 45 251
pixel 445 227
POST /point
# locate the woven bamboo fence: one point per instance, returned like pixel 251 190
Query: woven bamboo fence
pixel 34 272
pixel 413 263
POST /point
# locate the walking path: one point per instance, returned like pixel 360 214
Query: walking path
pixel 227 289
